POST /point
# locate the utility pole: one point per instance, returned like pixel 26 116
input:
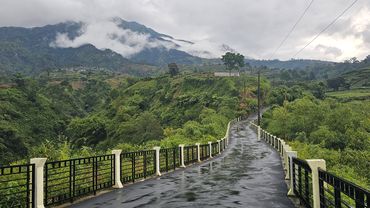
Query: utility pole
pixel 259 98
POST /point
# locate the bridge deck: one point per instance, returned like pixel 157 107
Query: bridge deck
pixel 247 174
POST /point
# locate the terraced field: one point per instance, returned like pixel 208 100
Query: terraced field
pixel 353 94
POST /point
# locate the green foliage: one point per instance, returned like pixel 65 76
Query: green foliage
pixel 33 112
pixel 349 95
pixel 353 165
pixel 87 131
pixel 189 109
pixel 233 61
pixel 173 69
pixel 145 127
pixel 327 129
pixel 69 118
pixel 336 82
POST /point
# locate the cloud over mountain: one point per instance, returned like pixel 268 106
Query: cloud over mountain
pixel 254 28
pixel 108 35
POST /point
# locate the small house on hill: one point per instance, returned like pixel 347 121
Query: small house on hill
pixel 226 74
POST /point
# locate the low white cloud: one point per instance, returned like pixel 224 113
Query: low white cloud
pixel 201 48
pixel 106 34
pixel 329 50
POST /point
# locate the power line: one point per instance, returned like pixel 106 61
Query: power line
pixel 292 29
pixel 322 31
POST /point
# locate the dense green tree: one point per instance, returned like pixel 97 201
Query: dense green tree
pixel 173 69
pixel 336 83
pixel 87 131
pixel 233 61
pixel 140 130
pixel 317 89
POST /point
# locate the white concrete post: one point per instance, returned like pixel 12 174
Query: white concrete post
pixel 198 151
pixel 210 149
pixel 278 145
pixel 219 146
pixel 291 155
pixel 157 165
pixel 182 155
pixel 275 141
pixel 117 164
pixel 39 181
pixel 315 164
pixel 286 158
pixel 282 144
pixel 258 133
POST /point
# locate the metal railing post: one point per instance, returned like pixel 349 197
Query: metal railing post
pixel 290 172
pixel 210 149
pixel 315 164
pixel 157 166
pixel 182 155
pixel 117 168
pixel 39 181
pixel 198 151
pixel 282 144
pixel 219 146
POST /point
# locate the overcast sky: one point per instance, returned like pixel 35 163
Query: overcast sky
pixel 254 28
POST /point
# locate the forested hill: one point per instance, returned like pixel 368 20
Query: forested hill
pixel 33 50
pixel 30 51
pixel 64 119
pixel 300 64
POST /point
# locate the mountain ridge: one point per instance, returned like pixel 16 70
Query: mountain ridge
pixel 33 50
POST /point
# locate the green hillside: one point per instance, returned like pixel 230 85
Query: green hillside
pixel 61 119
pixel 358 78
pixel 348 95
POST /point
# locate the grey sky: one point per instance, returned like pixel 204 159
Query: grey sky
pixel 254 28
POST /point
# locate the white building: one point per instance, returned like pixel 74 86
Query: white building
pixel 226 74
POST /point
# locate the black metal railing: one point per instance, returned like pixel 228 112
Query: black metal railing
pixel 17 186
pixel 337 192
pixel 137 165
pixel 204 151
pixel 169 159
pixel 214 148
pixel 302 181
pixel 190 154
pixel 69 179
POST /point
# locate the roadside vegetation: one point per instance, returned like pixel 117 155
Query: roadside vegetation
pixel 326 119
pixel 60 120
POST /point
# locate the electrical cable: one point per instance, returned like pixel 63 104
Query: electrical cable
pixel 322 31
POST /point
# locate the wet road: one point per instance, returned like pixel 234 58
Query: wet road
pixel 247 174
